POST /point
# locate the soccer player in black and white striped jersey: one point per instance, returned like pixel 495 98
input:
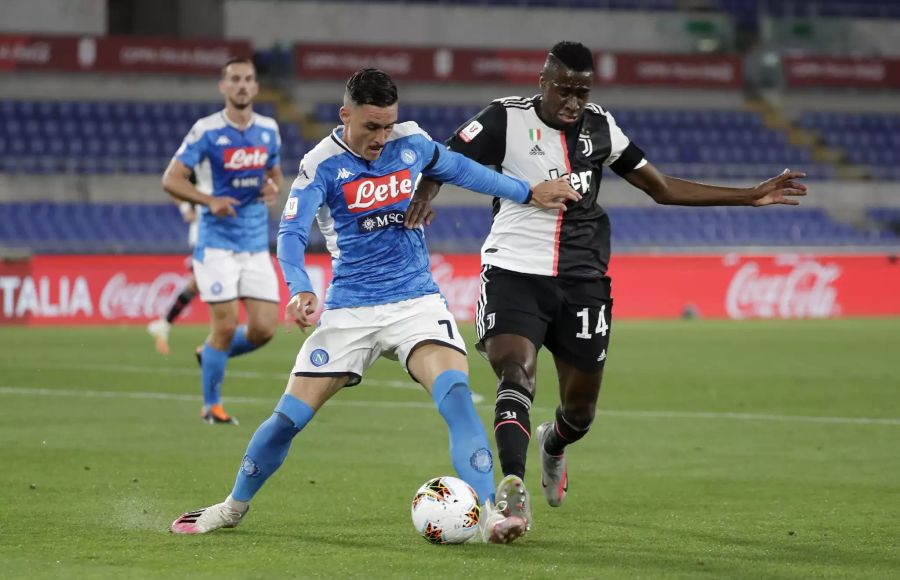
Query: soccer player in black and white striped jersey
pixel 544 279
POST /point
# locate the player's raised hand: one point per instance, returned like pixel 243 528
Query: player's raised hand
pixel 780 189
pixel 223 206
pixel 269 192
pixel 301 309
pixel 554 194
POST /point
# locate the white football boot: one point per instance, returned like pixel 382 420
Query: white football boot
pixel 514 500
pixel 496 528
pixel 554 471
pixel 207 520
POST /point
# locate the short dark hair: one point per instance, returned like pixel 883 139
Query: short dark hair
pixel 237 60
pixel 371 86
pixel 573 55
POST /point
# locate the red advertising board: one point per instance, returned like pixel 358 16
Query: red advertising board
pixel 339 61
pixel 117 54
pixel 510 66
pixel 72 290
pixel 842 72
pixel 674 70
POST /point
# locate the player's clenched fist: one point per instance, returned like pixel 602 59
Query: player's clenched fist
pixel 301 308
pixel 554 194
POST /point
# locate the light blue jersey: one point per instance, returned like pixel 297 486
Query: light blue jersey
pixel 360 208
pixel 231 162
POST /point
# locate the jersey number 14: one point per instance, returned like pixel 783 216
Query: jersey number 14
pixel 602 325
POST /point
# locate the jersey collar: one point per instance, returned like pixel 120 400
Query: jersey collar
pixel 336 135
pixel 234 125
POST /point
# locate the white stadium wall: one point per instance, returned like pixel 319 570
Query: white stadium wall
pixel 54 16
pixel 266 22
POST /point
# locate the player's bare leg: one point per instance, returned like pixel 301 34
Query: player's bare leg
pixel 262 322
pixel 578 394
pixel 443 371
pixel 266 452
pixel 514 360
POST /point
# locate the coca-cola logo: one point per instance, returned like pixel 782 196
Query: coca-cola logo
pixel 460 291
pixel 238 158
pixel 123 299
pixel 793 288
pixel 374 192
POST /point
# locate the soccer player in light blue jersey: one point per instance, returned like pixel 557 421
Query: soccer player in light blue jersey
pixel 382 300
pixel 235 154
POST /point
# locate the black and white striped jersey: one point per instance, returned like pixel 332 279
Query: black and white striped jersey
pixel 510 136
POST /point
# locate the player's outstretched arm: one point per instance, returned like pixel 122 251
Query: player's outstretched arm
pixel 449 166
pixel 780 189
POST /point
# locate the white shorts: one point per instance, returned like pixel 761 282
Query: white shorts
pixel 348 340
pixel 224 275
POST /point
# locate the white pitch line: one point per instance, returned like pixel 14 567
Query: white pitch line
pixel 39 392
pixel 188 372
pixel 181 371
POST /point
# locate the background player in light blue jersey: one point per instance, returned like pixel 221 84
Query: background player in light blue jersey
pixel 382 299
pixel 235 154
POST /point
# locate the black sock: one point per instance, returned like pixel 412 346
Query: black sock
pixel 563 433
pixel 180 303
pixel 512 427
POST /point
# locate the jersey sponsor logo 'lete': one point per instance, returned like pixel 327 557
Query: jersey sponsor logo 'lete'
pixel 238 158
pixel 374 192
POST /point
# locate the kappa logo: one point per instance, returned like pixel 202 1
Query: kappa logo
pixel 223 140
pixel 344 173
pixel 536 150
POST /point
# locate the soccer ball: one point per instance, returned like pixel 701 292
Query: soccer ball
pixel 445 510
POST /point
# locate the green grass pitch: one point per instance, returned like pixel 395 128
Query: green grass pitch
pixel 721 450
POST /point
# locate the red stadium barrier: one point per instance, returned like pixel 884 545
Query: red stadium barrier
pixel 323 61
pixel 74 290
pixel 113 54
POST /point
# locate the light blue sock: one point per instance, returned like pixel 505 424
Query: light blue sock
pixel 269 446
pixel 239 343
pixel 212 373
pixel 469 447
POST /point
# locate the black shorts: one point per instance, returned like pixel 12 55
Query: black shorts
pixel 571 317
